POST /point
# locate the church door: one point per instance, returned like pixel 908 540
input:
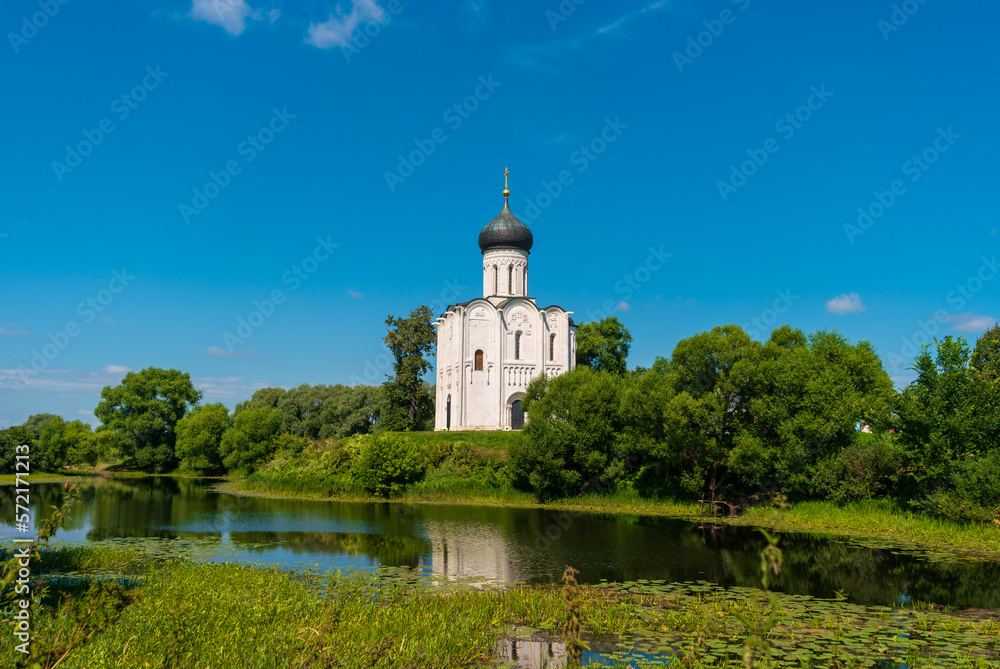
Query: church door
pixel 516 415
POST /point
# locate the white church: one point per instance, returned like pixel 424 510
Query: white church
pixel 491 347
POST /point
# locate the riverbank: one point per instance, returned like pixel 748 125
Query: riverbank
pixel 877 524
pixel 182 613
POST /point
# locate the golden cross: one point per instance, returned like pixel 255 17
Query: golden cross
pixel 505 173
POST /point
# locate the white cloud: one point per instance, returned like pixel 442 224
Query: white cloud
pixel 228 387
pixel 13 329
pixel 85 412
pixel 355 294
pixel 623 306
pixel 338 30
pixel 116 369
pixel 230 15
pixel 971 323
pixel 614 25
pixel 849 303
pixel 217 352
pixel 59 380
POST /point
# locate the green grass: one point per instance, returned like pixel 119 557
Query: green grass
pixel 491 439
pixel 185 614
pixel 47 477
pixel 882 520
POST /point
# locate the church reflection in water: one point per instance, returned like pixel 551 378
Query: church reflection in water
pixel 471 551
pixel 484 544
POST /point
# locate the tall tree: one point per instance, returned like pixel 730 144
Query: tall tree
pixel 410 340
pixel 986 356
pixel 603 346
pixel 144 409
pixel 199 434
pixel 250 440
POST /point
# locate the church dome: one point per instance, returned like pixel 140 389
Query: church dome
pixel 505 231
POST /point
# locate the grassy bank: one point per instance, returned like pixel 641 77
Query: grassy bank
pixel 183 614
pixel 471 468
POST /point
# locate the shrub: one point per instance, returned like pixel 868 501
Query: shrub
pixel 388 464
pixel 974 493
pixel 866 469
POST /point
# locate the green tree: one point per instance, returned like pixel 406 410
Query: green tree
pixel 808 397
pixel 708 423
pixel 949 416
pixel 410 340
pixel 321 412
pixel 10 439
pixel 570 443
pixel 61 443
pixel 144 410
pixel 82 446
pixel 199 435
pixel 35 422
pixel 388 464
pixel 250 440
pixel 986 355
pixel 603 346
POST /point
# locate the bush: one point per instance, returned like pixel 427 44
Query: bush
pixel 388 464
pixel 974 494
pixel 866 469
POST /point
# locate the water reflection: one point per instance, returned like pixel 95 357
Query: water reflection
pixel 496 543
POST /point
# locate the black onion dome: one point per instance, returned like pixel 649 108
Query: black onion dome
pixel 505 231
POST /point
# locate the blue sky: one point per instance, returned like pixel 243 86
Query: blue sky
pixel 172 167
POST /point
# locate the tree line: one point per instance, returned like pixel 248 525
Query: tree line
pixel 813 417
pixel 154 421
pixel 724 417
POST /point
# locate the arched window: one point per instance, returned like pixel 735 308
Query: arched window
pixel 496 281
pixel 479 361
pixel 510 279
pixel 517 346
pixel 552 347
pixel 525 277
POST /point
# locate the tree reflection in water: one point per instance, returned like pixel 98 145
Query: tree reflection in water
pixel 502 544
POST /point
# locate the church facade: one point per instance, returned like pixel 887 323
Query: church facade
pixel 490 348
